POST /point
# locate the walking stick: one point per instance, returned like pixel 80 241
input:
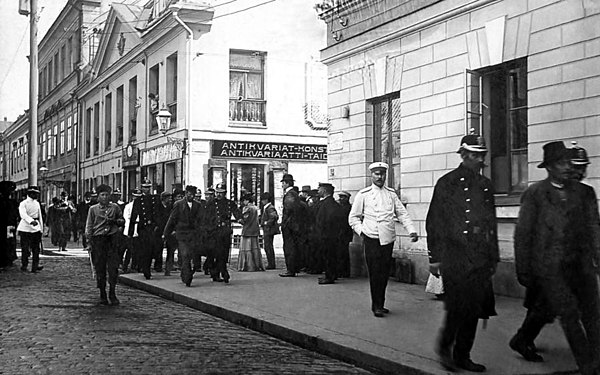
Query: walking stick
pixel 89 250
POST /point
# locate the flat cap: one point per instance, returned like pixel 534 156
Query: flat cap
pixel 344 192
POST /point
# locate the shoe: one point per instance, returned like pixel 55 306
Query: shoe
pixel 188 284
pixel 326 281
pixel 206 272
pixel 218 279
pixel 378 313
pixel 226 280
pixel 149 277
pixel 103 299
pixel 167 273
pixel 385 311
pixel 467 364
pixel 37 269
pixel 445 358
pixel 521 347
pixel 114 300
pixel 287 274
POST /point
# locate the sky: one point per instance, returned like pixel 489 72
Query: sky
pixel 14 40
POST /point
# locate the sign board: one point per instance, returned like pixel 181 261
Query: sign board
pixel 160 154
pixel 268 150
pixel 131 156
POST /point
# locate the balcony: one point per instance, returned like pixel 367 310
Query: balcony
pixel 247 112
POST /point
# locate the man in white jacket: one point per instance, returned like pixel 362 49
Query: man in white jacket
pixel 30 229
pixel 372 217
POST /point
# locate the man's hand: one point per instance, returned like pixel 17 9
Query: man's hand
pixel 34 223
pixel 414 237
pixel 434 269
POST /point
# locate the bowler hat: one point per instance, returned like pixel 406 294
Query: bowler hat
pixel 288 178
pixel 473 143
pixel 378 165
pixel 136 192
pixel 553 151
pixel 578 155
pixel 221 188
pixel 33 189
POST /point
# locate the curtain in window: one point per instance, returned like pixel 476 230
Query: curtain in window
pixel 236 85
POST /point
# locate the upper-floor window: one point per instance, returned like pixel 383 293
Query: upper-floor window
pixel 56 80
pixel 386 135
pixel 497 109
pixel 246 88
pixel 96 128
pixel 54 140
pixel 69 133
pixel 153 90
pixel 133 108
pixel 107 121
pixel 44 146
pixel 88 132
pixel 172 88
pixel 49 77
pixel 119 115
pixel 62 137
pixel 63 62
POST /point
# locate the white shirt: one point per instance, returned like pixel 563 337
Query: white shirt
pixel 127 216
pixel 30 210
pixel 373 213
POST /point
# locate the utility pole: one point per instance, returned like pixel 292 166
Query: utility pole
pixel 33 94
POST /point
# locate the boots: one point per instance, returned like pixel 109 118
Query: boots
pixel 113 296
pixel 103 299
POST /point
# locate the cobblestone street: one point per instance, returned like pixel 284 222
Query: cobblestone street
pixel 53 324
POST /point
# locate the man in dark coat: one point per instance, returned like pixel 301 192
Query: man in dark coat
pixel 463 243
pixel 184 220
pixel 345 236
pixel 82 213
pixel 163 211
pixel 328 224
pixel 8 224
pixel 292 225
pixel 217 222
pixel 557 250
pixel 143 212
pixel 269 223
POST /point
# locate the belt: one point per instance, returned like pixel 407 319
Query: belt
pixel 221 225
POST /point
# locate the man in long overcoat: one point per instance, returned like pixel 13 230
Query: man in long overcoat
pixel 328 224
pixel 557 249
pixel 293 224
pixel 463 243
pixel 143 213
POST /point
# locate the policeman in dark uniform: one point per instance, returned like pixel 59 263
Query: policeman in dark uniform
pixel 463 243
pixel 200 248
pixel 143 212
pixel 219 212
pixel 163 211
pixel 345 237
pixel 328 224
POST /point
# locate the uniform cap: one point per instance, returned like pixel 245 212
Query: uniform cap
pixel 326 185
pixel 33 189
pixel 473 143
pixel 221 188
pixel 578 155
pixel 146 183
pixel 136 192
pixel 116 192
pixel 313 193
pixel 378 165
pixel 210 190
pixel 344 192
pixel 305 188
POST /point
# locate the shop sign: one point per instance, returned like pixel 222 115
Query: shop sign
pixel 131 157
pixel 268 150
pixel 160 154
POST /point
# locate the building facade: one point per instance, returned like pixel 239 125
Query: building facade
pixel 15 152
pixel 245 107
pixel 407 79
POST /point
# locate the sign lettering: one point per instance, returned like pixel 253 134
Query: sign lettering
pixel 268 150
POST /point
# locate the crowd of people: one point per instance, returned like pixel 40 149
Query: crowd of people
pixel 556 240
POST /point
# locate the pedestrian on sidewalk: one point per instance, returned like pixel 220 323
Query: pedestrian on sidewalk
pixel 30 229
pixel 293 226
pixel 329 220
pixel 463 244
pixel 185 219
pixel 9 220
pixel 163 212
pixel 557 250
pixel 269 223
pixel 372 217
pixel 102 228
pixel 249 257
pixel 133 243
pixel 143 213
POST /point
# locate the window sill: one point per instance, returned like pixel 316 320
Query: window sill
pixel 247 124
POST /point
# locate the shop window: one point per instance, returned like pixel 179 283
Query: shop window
pixel 172 88
pixel 96 128
pixel 246 178
pixel 119 115
pixel 153 89
pixel 497 109
pixel 107 121
pixel 133 108
pixel 386 135
pixel 247 103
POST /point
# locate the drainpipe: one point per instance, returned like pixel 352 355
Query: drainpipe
pixel 188 63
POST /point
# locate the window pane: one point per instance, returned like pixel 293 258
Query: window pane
pixel 254 89
pixel 245 61
pixel 518 125
pixel 519 171
pixel 236 85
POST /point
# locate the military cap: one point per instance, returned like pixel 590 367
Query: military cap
pixel 221 188
pixel 116 191
pixel 93 193
pixel 305 189
pixel 103 188
pixel 344 192
pixel 378 165
pixel 136 192
pixel 33 189
pixel 288 178
pixel 473 143
pixel 191 189
pixel 146 183
pixel 165 194
pixel 210 190
pixel 553 152
pixel 578 155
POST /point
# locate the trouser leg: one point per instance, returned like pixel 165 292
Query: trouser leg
pixel 100 246
pixel 289 250
pixel 452 321
pixel 25 249
pixel 532 326
pixel 157 252
pixel 589 305
pixel 185 253
pixel 145 251
pixel 331 249
pixel 269 250
pixel 36 238
pixel 378 260
pixel 465 337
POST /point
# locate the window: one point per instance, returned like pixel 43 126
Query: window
pixel 44 146
pixel 386 135
pixel 56 70
pixel 63 62
pixel 54 140
pixel 246 98
pixel 172 88
pixel 497 109
pixel 49 77
pixel 133 108
pixel 88 132
pixel 107 121
pixel 153 90
pixel 62 137
pixel 70 55
pixel 49 137
pixel 69 133
pixel 41 84
pixel 119 115
pixel 13 161
pixel 96 128
pixel 246 177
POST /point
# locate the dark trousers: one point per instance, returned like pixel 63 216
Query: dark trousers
pixel 317 255
pixel 269 250
pixel 379 258
pixel 343 258
pixel 30 245
pixel 459 330
pixel 145 250
pixel 222 238
pixel 170 258
pixel 330 251
pixel 292 245
pixel 157 251
pixel 105 257
pixel 186 254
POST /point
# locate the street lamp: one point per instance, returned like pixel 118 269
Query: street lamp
pixel 163 118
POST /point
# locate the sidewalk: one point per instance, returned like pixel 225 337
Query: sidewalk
pixel 336 320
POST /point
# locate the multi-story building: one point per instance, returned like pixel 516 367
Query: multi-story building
pixel 407 79
pixel 243 100
pixel 14 150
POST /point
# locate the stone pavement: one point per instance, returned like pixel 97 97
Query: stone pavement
pixel 52 324
pixel 337 320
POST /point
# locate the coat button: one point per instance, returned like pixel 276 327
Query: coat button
pixel 467 211
pixel 468 200
pixel 465 231
pixel 466 189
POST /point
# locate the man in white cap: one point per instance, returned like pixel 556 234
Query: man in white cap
pixel 30 229
pixel 372 217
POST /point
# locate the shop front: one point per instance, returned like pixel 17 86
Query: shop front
pixel 163 166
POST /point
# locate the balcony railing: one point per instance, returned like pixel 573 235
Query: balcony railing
pixel 247 111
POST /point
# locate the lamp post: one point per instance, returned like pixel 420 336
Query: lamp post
pixel 163 118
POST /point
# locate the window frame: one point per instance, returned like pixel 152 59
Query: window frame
pixel 242 105
pixel 393 161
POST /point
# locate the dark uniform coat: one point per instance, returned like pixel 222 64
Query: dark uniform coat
pixel 462 235
pixel 143 212
pixel 329 219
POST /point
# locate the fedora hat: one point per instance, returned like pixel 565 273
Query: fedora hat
pixel 553 151
pixel 288 178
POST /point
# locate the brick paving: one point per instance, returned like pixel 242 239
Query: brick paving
pixel 52 324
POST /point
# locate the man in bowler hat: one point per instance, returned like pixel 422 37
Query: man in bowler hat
pixel 292 225
pixel 463 243
pixel 557 249
pixel 269 223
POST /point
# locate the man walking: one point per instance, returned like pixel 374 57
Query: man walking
pixel 463 243
pixel 270 226
pixel 163 212
pixel 142 213
pixel 292 225
pixel 102 230
pixel 557 250
pixel 184 220
pixel 329 222
pixel 30 229
pixel 372 217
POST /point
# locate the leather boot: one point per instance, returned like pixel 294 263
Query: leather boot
pixel 103 299
pixel 113 296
